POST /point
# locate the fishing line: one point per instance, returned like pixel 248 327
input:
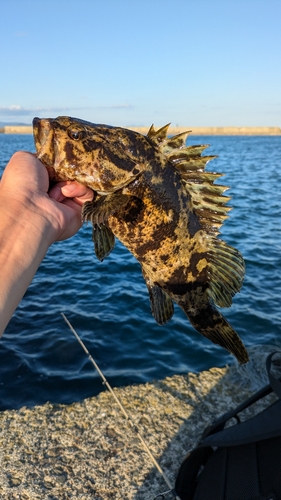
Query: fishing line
pixel 133 426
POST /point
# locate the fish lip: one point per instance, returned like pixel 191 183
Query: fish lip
pixel 43 134
pixel 36 132
pixel 39 133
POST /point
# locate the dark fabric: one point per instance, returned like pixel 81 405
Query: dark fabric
pixel 186 481
pixel 242 462
pixel 265 425
pixel 247 472
pixel 274 382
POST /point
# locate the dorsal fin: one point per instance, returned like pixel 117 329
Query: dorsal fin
pixel 207 199
pixel 158 136
pixel 177 141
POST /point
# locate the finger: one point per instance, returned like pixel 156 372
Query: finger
pixel 81 199
pixel 25 172
pixel 71 189
pixel 78 191
pixel 56 193
pixel 74 218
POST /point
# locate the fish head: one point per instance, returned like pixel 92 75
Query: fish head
pixel 102 157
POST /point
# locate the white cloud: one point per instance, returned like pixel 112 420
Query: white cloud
pixel 115 106
pixel 16 110
pixel 13 110
pixel 22 113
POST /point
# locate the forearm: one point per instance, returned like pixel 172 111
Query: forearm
pixel 24 241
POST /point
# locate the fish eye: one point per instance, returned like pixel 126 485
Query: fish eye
pixel 76 134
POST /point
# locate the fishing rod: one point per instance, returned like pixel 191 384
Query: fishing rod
pixel 130 422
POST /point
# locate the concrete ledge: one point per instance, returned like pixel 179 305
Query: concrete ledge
pixel 87 449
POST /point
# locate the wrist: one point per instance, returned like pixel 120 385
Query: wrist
pixel 25 235
pixel 25 238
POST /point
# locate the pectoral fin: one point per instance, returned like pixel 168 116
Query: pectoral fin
pixel 98 210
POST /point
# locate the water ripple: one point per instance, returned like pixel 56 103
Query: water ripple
pixel 108 302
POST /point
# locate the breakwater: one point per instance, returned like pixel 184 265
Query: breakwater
pixel 20 129
pixel 26 129
pixel 218 130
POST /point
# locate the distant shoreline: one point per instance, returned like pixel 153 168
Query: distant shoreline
pixel 26 129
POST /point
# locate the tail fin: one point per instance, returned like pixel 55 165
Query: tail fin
pixel 210 322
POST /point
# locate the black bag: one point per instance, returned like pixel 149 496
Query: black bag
pixel 241 462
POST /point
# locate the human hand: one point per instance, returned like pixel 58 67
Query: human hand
pixel 24 192
pixel 31 220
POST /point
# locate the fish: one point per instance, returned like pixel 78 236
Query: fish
pixel 153 193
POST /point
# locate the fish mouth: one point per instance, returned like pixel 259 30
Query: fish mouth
pixel 43 134
pixel 41 130
pixel 36 131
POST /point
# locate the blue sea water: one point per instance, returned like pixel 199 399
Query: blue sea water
pixel 108 305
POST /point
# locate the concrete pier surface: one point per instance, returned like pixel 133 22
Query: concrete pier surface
pixel 87 450
pixel 11 129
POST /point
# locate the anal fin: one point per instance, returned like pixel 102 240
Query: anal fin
pixel 104 241
pixel 162 307
pixel 161 304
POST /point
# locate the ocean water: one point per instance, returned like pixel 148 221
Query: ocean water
pixel 108 305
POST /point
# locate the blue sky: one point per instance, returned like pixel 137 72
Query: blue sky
pixel 137 62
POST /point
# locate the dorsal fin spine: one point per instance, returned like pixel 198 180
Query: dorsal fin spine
pixel 207 199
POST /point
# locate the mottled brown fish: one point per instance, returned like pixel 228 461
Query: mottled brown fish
pixel 153 193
